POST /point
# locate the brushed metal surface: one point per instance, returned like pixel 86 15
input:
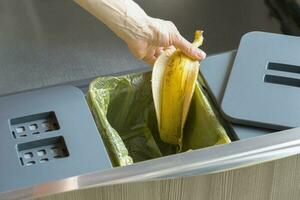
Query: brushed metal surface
pixel 203 161
pixel 275 180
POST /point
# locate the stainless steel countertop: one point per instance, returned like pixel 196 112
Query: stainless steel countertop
pixel 50 42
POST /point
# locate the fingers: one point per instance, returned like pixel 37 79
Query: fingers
pixel 163 36
pixel 152 55
pixel 143 51
pixel 166 34
pixel 158 51
pixel 187 47
pixel 150 60
pixel 170 50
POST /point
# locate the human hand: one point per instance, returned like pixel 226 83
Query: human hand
pixel 161 35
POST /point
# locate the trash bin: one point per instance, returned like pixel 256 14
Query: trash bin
pixel 124 112
pixel 255 145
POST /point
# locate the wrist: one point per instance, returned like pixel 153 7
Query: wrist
pixel 137 25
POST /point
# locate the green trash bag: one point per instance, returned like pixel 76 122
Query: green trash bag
pixel 124 112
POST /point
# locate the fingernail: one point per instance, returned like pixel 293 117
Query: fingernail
pixel 201 54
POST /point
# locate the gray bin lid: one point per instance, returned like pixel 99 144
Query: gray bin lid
pixel 45 135
pixel 215 70
pixel 263 89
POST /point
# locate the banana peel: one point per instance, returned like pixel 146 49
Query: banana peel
pixel 180 96
pixel 173 83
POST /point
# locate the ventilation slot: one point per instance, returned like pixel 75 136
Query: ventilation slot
pixel 282 80
pixel 283 67
pixel 41 151
pixel 33 125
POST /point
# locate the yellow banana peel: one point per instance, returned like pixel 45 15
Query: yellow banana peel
pixel 173 83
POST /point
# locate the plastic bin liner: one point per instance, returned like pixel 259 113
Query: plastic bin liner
pixel 124 113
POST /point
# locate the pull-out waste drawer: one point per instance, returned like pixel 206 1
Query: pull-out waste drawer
pixel 82 162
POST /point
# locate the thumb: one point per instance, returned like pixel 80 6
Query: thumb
pixel 186 47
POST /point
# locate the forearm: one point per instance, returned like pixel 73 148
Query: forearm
pixel 124 17
pixel 145 36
